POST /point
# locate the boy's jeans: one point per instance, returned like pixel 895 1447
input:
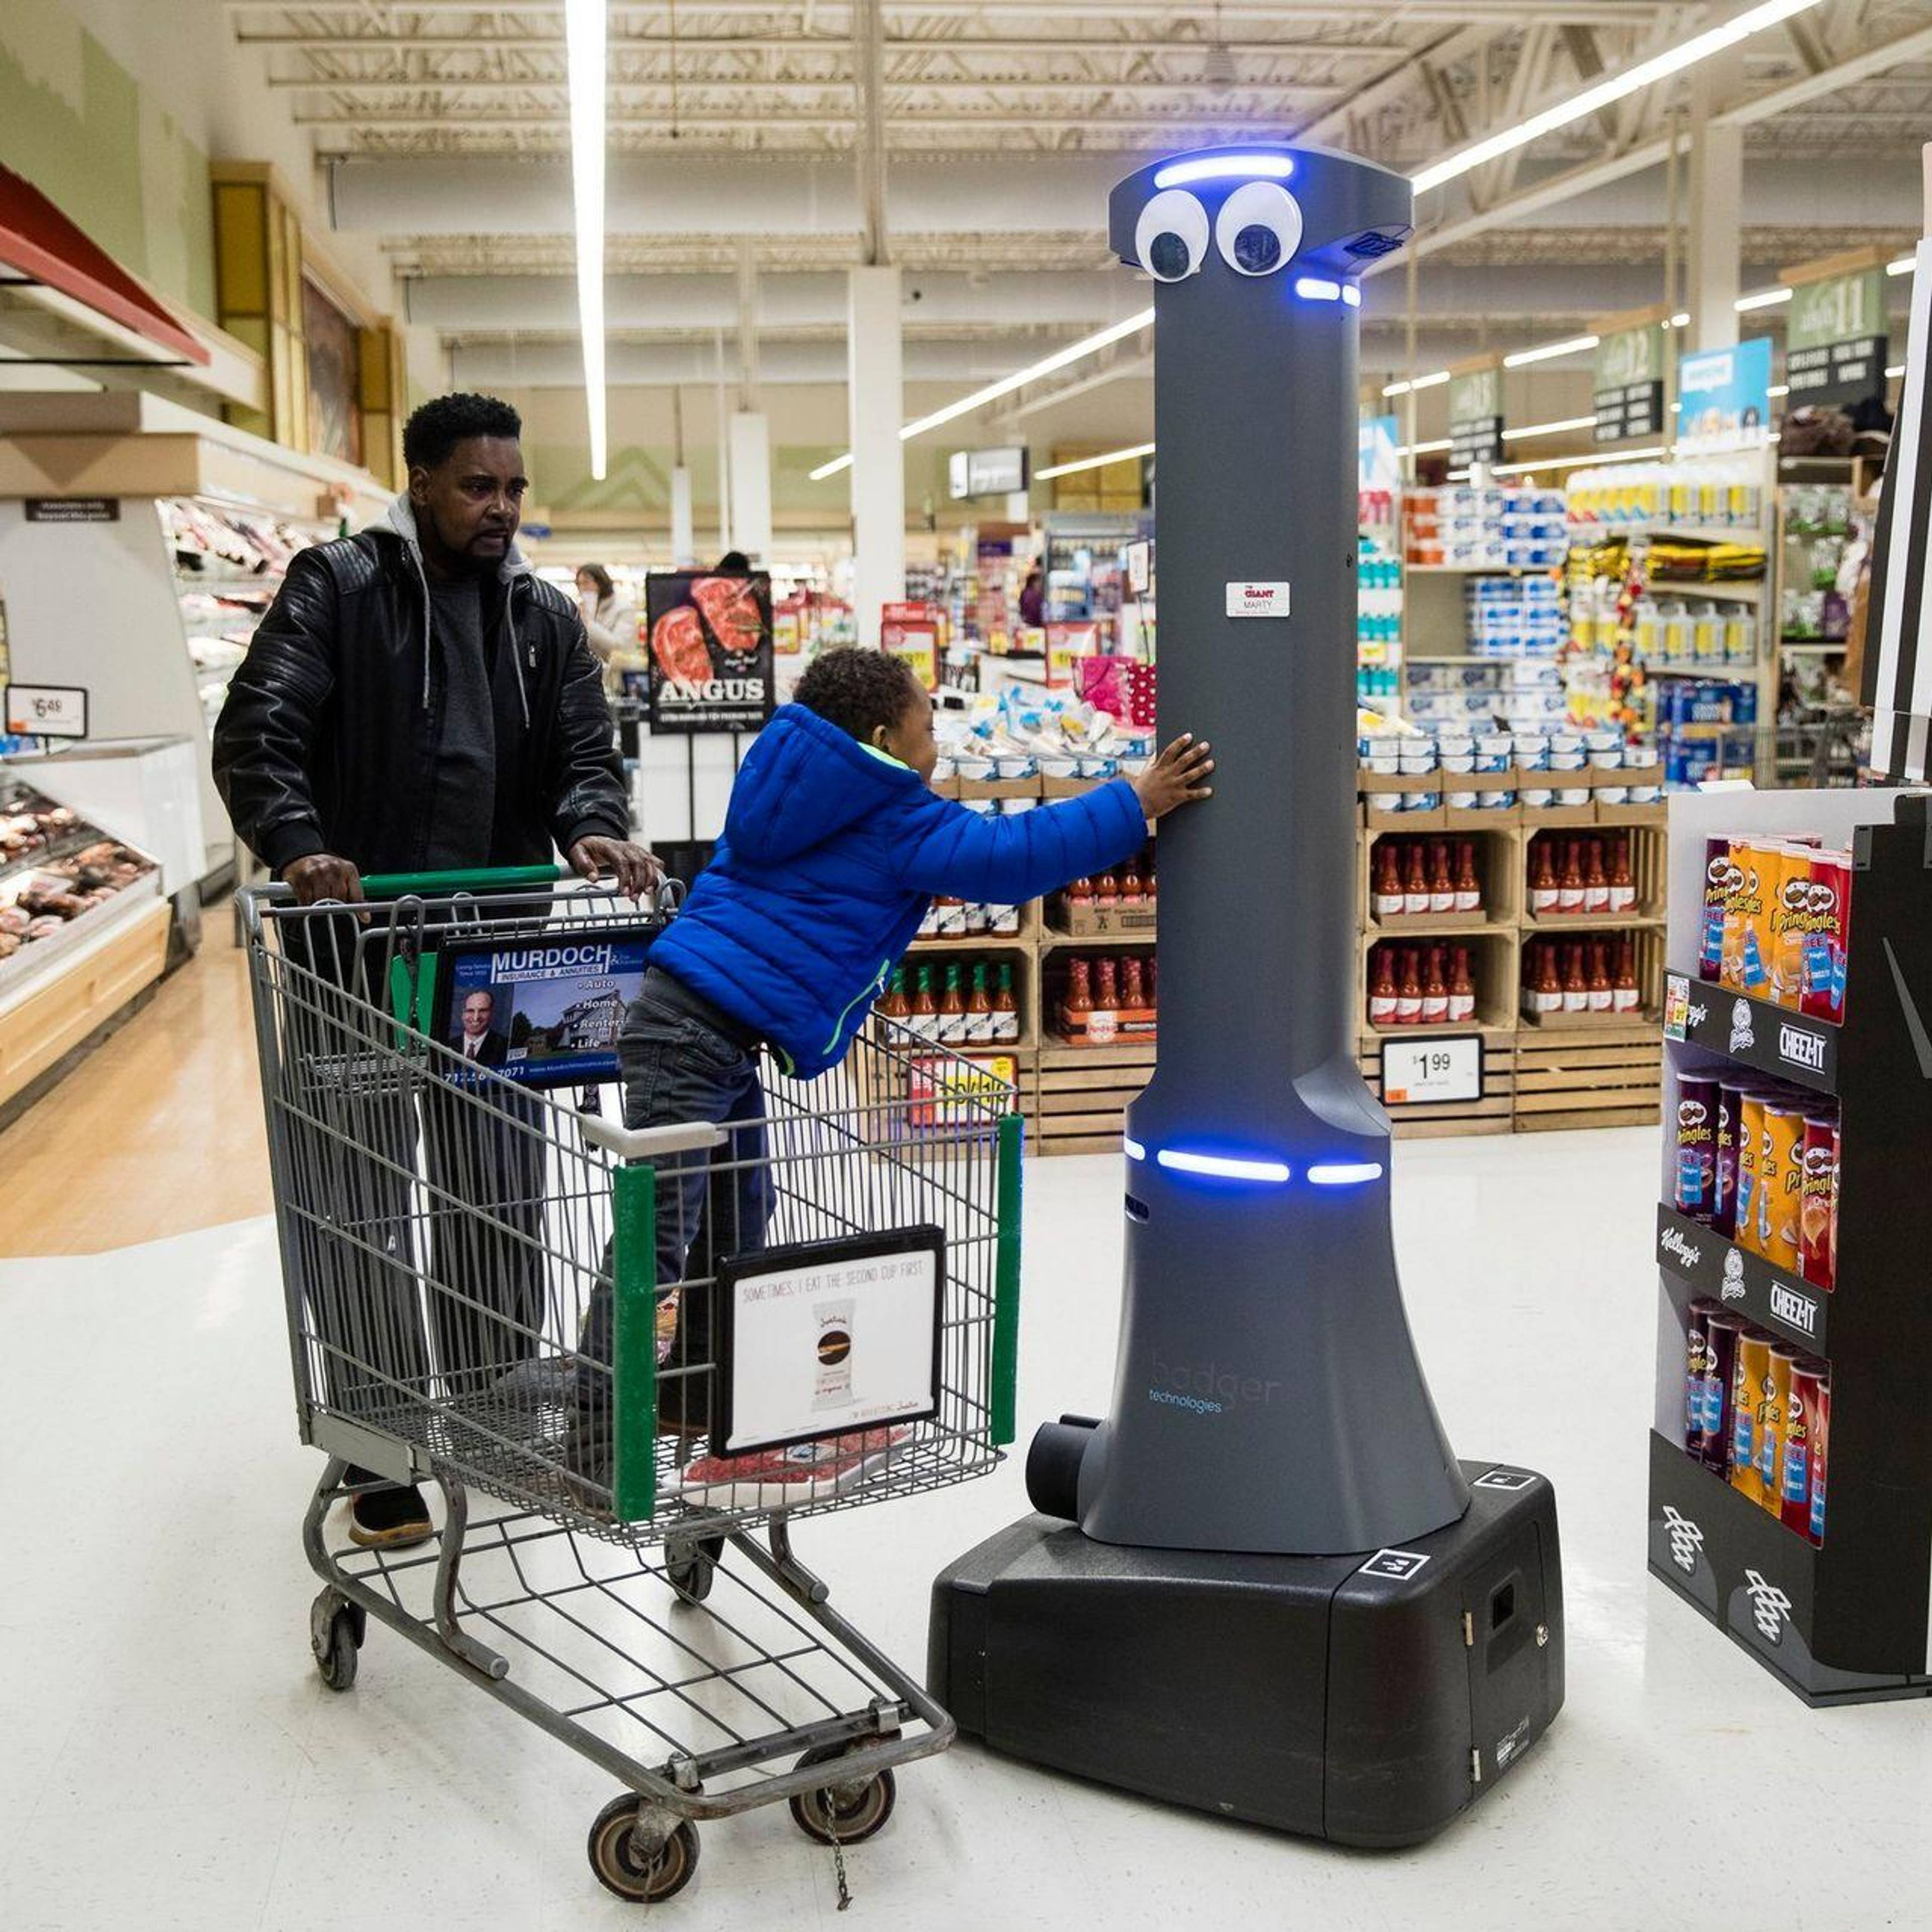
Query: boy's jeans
pixel 678 1067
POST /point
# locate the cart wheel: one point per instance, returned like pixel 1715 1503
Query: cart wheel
pixel 848 1813
pixel 615 1862
pixel 690 1568
pixel 337 1665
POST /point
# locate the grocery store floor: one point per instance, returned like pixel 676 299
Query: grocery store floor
pixel 169 1756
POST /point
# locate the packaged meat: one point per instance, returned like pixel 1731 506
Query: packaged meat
pixel 782 1478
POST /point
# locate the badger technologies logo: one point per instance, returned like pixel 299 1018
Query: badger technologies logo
pixel 1206 1388
pixel 1687 1539
pixel 1742 1035
pixel 1771 1608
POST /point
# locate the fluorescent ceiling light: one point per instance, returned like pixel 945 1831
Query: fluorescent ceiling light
pixel 1093 462
pixel 1681 319
pixel 1778 389
pixel 1611 89
pixel 1074 352
pixel 1579 462
pixel 832 468
pixel 1549 428
pixel 1226 167
pixel 1425 449
pixel 1896 369
pixel 1222 1167
pixel 1573 345
pixel 1433 380
pixel 1764 299
pixel 1904 265
pixel 585 29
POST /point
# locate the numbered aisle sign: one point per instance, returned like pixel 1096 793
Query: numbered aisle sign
pixel 1416 1072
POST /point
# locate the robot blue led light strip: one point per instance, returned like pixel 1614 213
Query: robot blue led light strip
pixel 1271 1440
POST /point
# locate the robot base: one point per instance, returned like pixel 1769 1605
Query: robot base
pixel 1364 1698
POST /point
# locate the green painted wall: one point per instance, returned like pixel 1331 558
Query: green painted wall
pixel 79 127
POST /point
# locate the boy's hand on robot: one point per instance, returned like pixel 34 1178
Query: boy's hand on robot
pixel 1177 777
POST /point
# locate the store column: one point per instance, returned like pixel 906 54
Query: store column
pixel 1717 198
pixel 751 485
pixel 683 536
pixel 876 391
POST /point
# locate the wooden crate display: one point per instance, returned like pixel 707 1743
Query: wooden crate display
pixel 1493 957
pixel 1493 1113
pixel 1647 867
pixel 1610 931
pixel 1598 1077
pixel 1498 857
pixel 1083 1093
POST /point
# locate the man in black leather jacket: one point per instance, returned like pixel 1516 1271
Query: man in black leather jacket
pixel 417 699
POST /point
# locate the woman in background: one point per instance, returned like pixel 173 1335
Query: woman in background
pixel 610 623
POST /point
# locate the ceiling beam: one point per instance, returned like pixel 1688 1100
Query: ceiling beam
pixel 1038 12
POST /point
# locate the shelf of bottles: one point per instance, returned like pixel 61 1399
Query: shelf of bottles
pixel 1791 1452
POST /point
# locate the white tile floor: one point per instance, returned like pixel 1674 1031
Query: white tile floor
pixel 168 1756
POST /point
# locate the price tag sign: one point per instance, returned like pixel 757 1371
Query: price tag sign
pixel 46 711
pixel 1416 1072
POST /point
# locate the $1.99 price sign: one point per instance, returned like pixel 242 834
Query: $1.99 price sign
pixel 1416 1072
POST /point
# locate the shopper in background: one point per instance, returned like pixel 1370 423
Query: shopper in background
pixel 609 624
pixel 834 843
pixel 1033 599
pixel 417 699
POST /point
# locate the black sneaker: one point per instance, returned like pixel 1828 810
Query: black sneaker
pixel 390 1518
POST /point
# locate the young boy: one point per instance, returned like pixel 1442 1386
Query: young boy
pixel 834 843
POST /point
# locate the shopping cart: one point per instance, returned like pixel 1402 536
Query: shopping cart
pixel 444 1232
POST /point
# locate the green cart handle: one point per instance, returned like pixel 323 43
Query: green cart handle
pixel 481 879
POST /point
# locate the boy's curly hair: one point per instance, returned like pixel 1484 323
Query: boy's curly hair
pixel 858 689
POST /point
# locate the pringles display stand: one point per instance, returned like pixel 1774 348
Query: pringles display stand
pixel 1263 1585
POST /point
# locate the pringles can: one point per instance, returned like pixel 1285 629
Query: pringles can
pixel 1827 937
pixel 1750 1146
pixel 1801 1426
pixel 1821 1457
pixel 1724 1201
pixel 1696 1148
pixel 1718 888
pixel 1752 1370
pixel 1780 1183
pixel 1722 1334
pixel 1697 1335
pixel 1818 1199
pixel 1773 1417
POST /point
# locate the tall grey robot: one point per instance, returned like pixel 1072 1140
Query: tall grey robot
pixel 1264 1585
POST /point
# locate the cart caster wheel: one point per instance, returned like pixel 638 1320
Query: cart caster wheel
pixel 615 1861
pixel 844 1814
pixel 690 1568
pixel 336 1629
pixel 337 1665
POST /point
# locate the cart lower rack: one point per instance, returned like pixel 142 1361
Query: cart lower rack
pixel 516 1301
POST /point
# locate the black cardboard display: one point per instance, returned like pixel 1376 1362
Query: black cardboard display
pixel 1845 1622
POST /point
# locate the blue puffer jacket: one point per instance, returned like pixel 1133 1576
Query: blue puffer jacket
pixel 829 855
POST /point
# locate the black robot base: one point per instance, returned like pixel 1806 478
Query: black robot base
pixel 1365 1699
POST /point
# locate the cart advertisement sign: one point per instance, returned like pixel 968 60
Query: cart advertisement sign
pixel 543 1012
pixel 827 1337
pixel 1725 394
pixel 710 643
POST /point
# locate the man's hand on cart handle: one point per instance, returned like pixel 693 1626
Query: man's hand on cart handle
pixel 637 872
pixel 322 875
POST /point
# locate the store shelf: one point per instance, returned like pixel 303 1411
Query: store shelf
pixel 1441 925
pixel 1820 646
pixel 1591 922
pixel 1050 941
pixel 1725 674
pixel 1747 590
pixel 1479 569
pixel 1756 1033
pixel 1711 1264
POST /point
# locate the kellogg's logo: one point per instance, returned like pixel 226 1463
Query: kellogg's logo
pixel 1688 1252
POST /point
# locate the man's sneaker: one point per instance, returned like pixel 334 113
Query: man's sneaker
pixel 389 1519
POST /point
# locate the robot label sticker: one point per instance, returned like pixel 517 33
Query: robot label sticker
pixel 1248 598
pixel 1398 1564
pixel 1504 1479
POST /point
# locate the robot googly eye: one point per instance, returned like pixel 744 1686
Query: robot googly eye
pixel 1170 239
pixel 1258 228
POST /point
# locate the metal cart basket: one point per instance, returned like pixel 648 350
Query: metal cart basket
pixel 472 1274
